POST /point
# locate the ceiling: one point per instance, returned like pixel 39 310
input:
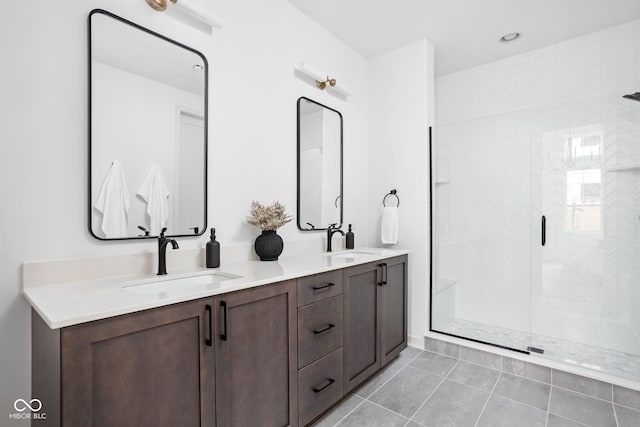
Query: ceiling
pixel 465 33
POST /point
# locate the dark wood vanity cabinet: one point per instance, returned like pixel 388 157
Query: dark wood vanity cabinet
pixel 256 356
pixel 151 368
pixel 320 342
pixel 393 333
pixel 375 311
pixel 275 355
pixel 362 302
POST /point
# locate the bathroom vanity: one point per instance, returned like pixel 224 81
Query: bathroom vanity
pixel 272 344
pixel 257 344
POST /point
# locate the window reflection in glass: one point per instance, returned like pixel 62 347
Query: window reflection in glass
pixel 583 200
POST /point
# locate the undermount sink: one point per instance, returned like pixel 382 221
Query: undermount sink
pixel 352 255
pixel 179 285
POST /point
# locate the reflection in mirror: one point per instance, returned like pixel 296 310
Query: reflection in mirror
pixel 319 166
pixel 148 132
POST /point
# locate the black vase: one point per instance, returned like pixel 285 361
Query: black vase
pixel 269 245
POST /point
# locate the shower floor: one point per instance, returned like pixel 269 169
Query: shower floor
pixel 588 356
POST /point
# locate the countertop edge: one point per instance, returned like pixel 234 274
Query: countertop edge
pixel 31 294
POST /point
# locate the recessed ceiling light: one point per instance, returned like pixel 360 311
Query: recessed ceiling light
pixel 198 67
pixel 509 37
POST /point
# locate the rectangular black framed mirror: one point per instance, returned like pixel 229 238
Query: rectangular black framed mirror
pixel 320 194
pixel 148 115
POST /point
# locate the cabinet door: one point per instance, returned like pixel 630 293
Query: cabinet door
pixel 151 368
pixel 362 299
pixel 393 337
pixel 256 357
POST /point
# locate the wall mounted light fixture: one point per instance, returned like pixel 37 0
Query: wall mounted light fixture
pixel 321 79
pixel 186 7
pixel 322 85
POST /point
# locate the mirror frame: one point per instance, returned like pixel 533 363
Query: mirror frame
pixel 89 127
pixel 298 165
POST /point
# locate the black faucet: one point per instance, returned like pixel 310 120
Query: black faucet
pixel 162 252
pixel 330 232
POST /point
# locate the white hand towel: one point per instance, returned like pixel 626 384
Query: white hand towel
pixel 155 192
pixel 390 224
pixel 113 202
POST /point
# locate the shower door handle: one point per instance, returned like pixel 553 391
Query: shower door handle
pixel 544 230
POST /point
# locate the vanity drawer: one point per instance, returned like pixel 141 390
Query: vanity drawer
pixel 319 386
pixel 319 329
pixel 319 286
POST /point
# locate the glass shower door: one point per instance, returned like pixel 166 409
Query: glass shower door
pixel 536 232
pixel 567 261
pixel 481 214
pixel 586 275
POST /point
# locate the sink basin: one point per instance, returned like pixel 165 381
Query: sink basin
pixel 352 255
pixel 179 285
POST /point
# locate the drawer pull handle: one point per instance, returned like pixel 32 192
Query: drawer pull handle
pixel 327 286
pixel 320 389
pixel 319 331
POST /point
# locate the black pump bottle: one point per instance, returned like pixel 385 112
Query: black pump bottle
pixel 350 238
pixel 213 251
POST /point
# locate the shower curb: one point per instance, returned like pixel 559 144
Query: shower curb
pixel 581 384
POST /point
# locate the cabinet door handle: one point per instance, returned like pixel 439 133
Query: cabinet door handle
pixel 209 341
pixel 544 230
pixel 319 331
pixel 223 335
pixel 385 272
pixel 381 280
pixel 327 286
pixel 320 389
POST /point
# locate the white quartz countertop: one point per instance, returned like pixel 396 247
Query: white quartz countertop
pixel 66 304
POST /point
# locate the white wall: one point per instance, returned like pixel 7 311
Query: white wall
pixel 571 72
pixel 252 137
pixel 399 117
pixel 502 127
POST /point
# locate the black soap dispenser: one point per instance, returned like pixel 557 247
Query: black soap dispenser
pixel 213 251
pixel 350 238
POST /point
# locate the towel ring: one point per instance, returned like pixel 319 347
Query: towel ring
pixel 391 193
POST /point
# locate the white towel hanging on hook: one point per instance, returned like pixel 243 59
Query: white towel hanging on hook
pixel 155 192
pixel 390 225
pixel 113 203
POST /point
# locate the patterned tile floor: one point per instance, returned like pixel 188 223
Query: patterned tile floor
pixel 422 388
pixel 597 358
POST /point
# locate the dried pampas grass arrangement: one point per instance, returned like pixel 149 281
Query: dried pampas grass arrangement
pixel 268 218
